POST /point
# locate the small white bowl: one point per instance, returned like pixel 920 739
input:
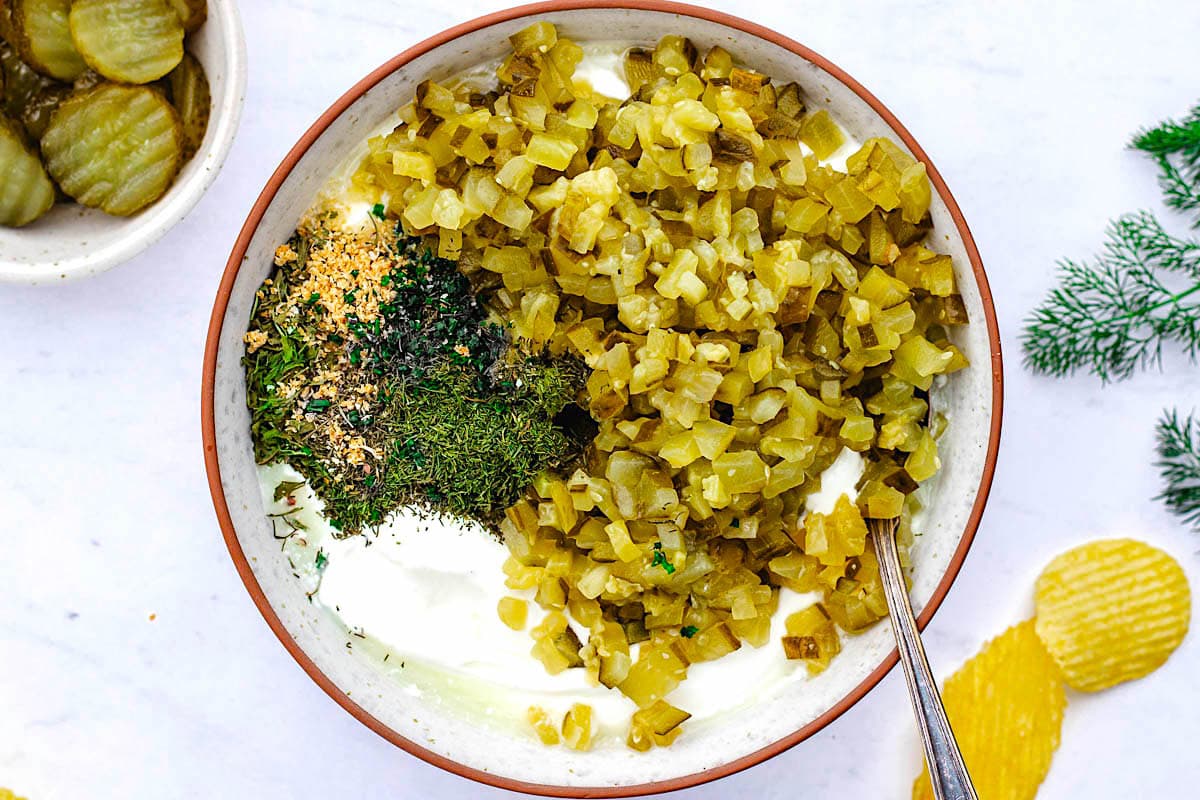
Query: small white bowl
pixel 75 242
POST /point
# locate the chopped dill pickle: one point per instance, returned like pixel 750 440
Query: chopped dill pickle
pixel 539 719
pixel 537 38
pixel 822 134
pixel 577 727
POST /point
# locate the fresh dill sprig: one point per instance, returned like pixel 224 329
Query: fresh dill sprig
pixel 1175 146
pixel 1179 462
pixel 1114 314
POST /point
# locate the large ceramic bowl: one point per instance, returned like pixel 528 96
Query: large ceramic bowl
pixel 74 242
pixel 711 749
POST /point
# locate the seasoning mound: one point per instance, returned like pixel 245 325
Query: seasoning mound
pixel 374 371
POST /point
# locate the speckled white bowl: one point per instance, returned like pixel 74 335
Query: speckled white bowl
pixel 712 748
pixel 74 242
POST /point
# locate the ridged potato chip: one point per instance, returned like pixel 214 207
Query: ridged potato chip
pixel 1006 707
pixel 1112 611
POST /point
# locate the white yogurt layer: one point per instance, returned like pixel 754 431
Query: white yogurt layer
pixel 424 592
pixel 837 480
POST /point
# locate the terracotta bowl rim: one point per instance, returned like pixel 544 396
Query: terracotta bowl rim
pixel 235 261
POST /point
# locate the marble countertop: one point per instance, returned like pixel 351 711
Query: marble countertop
pixel 132 662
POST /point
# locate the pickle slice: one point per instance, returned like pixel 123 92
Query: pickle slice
pixel 191 97
pixel 192 13
pixel 22 83
pixel 131 41
pixel 116 148
pixel 35 116
pixel 88 80
pixel 25 189
pixel 43 36
pixel 6 26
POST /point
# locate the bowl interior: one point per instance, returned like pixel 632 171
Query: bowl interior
pixel 786 712
pixel 72 241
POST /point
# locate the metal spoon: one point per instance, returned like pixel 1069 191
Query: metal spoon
pixel 947 771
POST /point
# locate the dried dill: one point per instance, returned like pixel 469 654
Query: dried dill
pixel 431 405
pixel 453 449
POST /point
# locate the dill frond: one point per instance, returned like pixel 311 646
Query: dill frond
pixel 1175 146
pixel 1115 314
pixel 1179 462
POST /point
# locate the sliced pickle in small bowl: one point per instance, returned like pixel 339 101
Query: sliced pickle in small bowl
pixel 116 148
pixel 192 13
pixel 21 82
pixel 43 36
pixel 26 191
pixel 130 41
pixel 191 97
pixel 37 112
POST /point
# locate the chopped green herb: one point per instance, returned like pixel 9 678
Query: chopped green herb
pixel 318 405
pixel 1175 146
pixel 1179 463
pixel 377 210
pixel 285 488
pixel 660 560
pixel 321 560
pixel 688 631
pixel 313 298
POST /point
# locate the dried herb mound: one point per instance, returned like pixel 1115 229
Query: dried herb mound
pixel 373 369
pixel 470 453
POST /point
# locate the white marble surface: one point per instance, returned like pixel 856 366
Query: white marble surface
pixel 132 663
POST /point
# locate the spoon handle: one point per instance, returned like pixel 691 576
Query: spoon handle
pixel 947 771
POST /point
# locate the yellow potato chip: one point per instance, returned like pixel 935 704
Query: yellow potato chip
pixel 1006 707
pixel 1112 611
